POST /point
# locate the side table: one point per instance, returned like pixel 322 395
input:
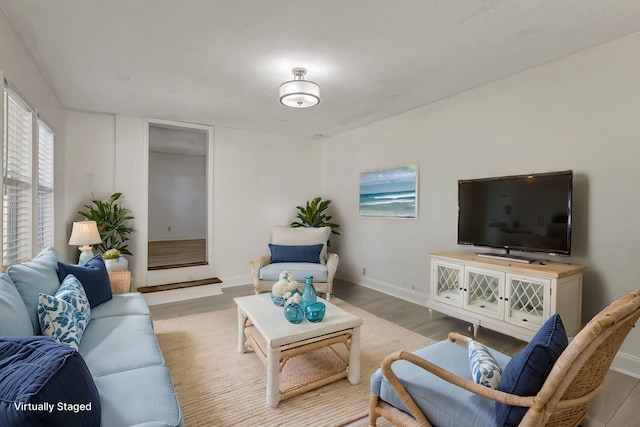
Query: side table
pixel 120 281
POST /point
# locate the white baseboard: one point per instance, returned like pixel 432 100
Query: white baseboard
pixel 386 288
pixel 626 364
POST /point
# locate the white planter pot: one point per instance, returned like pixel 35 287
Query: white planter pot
pixel 119 264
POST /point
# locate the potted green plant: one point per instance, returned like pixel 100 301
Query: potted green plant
pixel 114 261
pixel 112 221
pixel 312 215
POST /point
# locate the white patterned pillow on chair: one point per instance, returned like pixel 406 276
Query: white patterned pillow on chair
pixel 484 368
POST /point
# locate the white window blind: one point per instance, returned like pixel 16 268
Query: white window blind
pixel 17 190
pixel 44 215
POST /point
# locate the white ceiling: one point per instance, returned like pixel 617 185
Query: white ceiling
pixel 220 62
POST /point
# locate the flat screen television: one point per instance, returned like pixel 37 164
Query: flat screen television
pixel 530 213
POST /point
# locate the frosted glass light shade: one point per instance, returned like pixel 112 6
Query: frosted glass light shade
pixel 299 93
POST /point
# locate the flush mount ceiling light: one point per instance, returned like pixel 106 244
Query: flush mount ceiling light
pixel 299 93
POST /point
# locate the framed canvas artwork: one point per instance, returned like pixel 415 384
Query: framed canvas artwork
pixel 389 192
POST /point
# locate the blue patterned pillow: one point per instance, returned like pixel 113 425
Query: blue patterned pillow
pixel 484 368
pixel 65 316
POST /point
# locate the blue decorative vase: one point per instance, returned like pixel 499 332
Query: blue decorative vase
pixel 294 313
pixel 308 293
pixel 315 312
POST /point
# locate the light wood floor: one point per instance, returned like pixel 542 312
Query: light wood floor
pixel 614 406
pixel 176 253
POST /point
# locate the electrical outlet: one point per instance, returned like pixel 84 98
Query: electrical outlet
pixel 364 271
pixel 169 228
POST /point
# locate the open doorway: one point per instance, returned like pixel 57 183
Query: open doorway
pixel 177 223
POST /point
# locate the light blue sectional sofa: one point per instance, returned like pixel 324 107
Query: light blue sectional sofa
pixel 118 346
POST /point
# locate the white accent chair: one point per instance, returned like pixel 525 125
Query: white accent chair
pixel 265 273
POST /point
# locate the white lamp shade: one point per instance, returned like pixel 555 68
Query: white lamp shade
pixel 299 93
pixel 84 233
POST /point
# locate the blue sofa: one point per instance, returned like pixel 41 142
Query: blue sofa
pixel 118 346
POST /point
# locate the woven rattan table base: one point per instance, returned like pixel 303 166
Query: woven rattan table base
pixel 307 366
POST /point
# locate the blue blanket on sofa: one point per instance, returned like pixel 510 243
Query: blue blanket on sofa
pixel 45 383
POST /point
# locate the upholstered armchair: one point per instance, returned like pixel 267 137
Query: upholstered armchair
pixel 549 383
pixel 303 251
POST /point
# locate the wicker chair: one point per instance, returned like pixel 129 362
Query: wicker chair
pixel 573 381
pixel 265 274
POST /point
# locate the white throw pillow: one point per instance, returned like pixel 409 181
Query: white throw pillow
pixel 284 235
pixel 65 316
pixel 484 367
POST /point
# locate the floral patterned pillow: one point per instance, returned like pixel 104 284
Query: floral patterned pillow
pixel 484 368
pixel 65 316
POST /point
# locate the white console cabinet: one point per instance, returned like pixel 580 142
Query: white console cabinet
pixel 506 296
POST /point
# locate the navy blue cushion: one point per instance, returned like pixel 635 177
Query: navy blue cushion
pixel 299 253
pixel 45 383
pixel 528 369
pixel 93 276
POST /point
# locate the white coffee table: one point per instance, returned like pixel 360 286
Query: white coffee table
pixel 262 325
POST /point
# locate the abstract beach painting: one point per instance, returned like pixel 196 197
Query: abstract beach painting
pixel 390 192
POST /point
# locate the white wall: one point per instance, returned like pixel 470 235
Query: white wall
pixel 581 112
pixel 19 68
pixel 258 180
pixel 90 155
pixel 177 196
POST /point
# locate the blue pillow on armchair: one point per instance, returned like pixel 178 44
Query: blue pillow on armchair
pixel 93 276
pixel 295 253
pixel 528 369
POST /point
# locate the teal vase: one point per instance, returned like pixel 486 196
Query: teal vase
pixel 308 293
pixel 294 313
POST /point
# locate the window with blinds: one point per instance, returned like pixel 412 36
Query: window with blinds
pixel 27 182
pixel 44 214
pixel 16 183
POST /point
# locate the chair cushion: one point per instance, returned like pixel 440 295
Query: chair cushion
pixel 283 235
pixel 93 276
pixel 34 277
pixel 300 270
pixel 14 317
pixel 45 383
pixel 297 253
pixel 442 403
pixel 529 368
pixel 65 316
pixel 485 370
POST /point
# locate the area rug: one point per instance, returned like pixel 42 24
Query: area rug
pixel 217 386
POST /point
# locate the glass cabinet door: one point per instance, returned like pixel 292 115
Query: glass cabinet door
pixel 482 291
pixel 447 280
pixel 527 301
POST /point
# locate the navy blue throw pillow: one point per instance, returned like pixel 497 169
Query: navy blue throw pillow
pixel 93 276
pixel 45 383
pixel 528 369
pixel 283 253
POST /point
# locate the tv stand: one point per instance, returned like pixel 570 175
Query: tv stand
pixel 507 257
pixel 506 296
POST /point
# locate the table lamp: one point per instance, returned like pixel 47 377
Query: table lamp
pixel 84 234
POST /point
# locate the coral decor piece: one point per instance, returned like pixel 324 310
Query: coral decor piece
pixel 285 288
